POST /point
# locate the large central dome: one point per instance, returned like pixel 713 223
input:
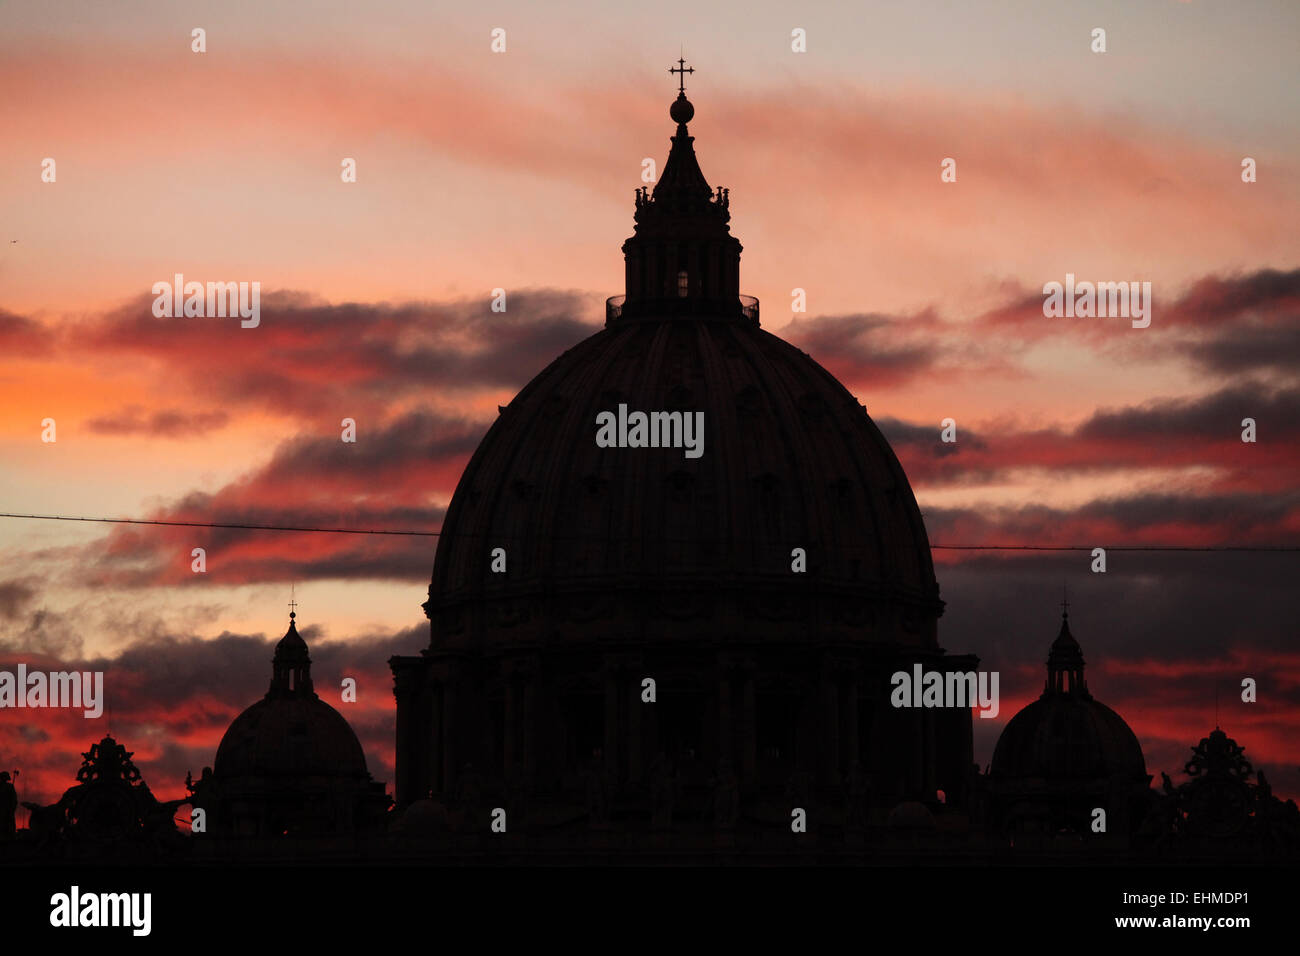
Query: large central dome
pixel 641 540
pixel 677 576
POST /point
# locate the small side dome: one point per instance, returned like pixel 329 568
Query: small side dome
pixel 290 730
pixel 289 737
pixel 1067 734
pixel 291 765
pixel 1067 738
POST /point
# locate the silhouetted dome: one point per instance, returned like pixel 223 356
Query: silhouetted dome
pixel 771 579
pixel 290 731
pixel 644 543
pixel 1067 737
pixel 638 541
pixel 790 460
pixel 1066 733
pixel 290 765
pixel 290 736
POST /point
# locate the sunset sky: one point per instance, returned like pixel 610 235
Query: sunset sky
pixel 478 170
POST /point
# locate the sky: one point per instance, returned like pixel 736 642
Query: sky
pixel 516 170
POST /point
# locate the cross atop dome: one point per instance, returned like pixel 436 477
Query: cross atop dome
pixel 683 110
pixel 683 69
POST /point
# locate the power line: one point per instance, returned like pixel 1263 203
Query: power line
pixel 438 534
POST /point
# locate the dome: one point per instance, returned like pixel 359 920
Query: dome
pixel 290 765
pixel 787 510
pixel 790 460
pixel 290 736
pixel 686 497
pixel 290 731
pixel 1067 734
pixel 1060 737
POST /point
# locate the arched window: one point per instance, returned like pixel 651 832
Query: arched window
pixel 683 284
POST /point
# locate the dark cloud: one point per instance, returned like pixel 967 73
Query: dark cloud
pixel 166 423
pixel 1145 518
pixel 312 358
pixel 1177 433
pixel 387 479
pixel 925 440
pixel 236 668
pixel 1245 513
pixel 1205 418
pixel 868 347
pixel 1227 325
pixel 15 596
pixel 1234 325
pixel 24 337
pixel 417 439
pixel 1023 311
pixel 1250 349
pixel 1217 299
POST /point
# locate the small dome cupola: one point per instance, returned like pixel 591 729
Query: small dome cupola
pixel 1065 661
pixel 682 258
pixel 291 666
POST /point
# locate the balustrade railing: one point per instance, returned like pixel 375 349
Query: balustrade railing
pixel 614 307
